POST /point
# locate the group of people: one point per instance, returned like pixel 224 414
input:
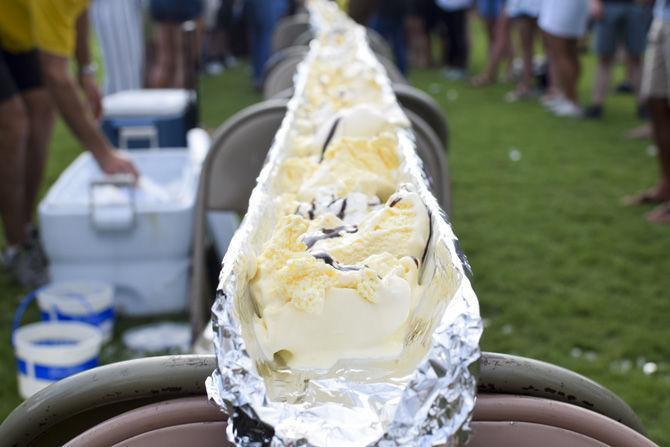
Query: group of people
pixel 144 43
pixel 622 31
pixel 40 39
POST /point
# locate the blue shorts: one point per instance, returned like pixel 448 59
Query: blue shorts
pixel 627 23
pixel 490 9
pixel 175 10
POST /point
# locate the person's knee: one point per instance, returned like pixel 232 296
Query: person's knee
pixel 14 125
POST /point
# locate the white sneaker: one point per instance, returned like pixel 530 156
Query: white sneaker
pixel 568 109
pixel 551 101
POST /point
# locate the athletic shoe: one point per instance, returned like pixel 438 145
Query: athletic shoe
pixel 214 68
pixel 455 74
pixel 549 102
pixel 568 109
pixel 624 88
pixel 26 267
pixel 593 112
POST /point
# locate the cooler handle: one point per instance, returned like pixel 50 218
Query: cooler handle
pixel 130 133
pixel 125 218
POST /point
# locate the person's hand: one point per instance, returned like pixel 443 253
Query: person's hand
pixel 597 9
pixel 92 93
pixel 114 162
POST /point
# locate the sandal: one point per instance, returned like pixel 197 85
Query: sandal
pixel 660 215
pixel 649 197
pixel 481 80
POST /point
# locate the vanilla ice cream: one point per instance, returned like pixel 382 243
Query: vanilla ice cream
pixel 327 290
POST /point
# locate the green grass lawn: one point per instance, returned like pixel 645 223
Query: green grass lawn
pixel 563 272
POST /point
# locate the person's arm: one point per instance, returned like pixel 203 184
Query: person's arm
pixel 86 68
pixel 78 116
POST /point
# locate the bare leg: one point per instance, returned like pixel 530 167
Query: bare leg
pixel 659 111
pixel 500 49
pixel 164 64
pixel 13 139
pixel 40 118
pixel 635 72
pixel 554 88
pixel 602 80
pixel 567 66
pixel 179 59
pixel 526 39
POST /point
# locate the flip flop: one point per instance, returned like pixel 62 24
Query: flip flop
pixel 649 197
pixel 660 214
pixel 481 81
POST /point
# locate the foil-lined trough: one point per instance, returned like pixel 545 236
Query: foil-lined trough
pixel 424 399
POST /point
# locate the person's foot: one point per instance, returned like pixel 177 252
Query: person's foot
pixel 642 112
pixel 568 109
pixel 652 196
pixel 625 88
pixel 520 94
pixel 26 267
pixel 660 215
pixel 481 80
pixel 639 133
pixel 594 111
pixel 455 74
pixel 550 101
pixel 214 68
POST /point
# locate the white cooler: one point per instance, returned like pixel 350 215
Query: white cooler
pixel 138 239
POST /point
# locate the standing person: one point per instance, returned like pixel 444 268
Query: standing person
pixel 119 27
pixel 454 16
pixel 656 88
pixel 169 66
pixel 389 22
pixel 523 15
pixel 617 21
pixel 501 49
pixel 263 16
pixel 496 24
pixel 37 41
pixel 563 23
pixel 421 22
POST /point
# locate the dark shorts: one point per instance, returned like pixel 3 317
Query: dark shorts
pixel 490 9
pixel 175 10
pixel 18 72
pixel 625 23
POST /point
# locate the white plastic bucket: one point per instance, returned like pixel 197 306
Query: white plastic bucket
pixel 48 352
pixel 87 302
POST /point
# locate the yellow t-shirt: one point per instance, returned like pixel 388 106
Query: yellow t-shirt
pixel 48 25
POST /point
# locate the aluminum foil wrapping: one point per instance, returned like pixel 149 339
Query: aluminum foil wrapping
pixel 427 397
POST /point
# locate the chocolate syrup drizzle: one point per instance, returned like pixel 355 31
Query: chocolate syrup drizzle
pixel 325 257
pixel 340 215
pixel 430 235
pixel 330 136
pixel 394 202
pixel 327 233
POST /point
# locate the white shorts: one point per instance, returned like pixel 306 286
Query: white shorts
pixel 656 71
pixel 564 18
pixel 519 8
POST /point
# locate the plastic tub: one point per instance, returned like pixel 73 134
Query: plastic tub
pixel 141 287
pixel 84 301
pixel 48 352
